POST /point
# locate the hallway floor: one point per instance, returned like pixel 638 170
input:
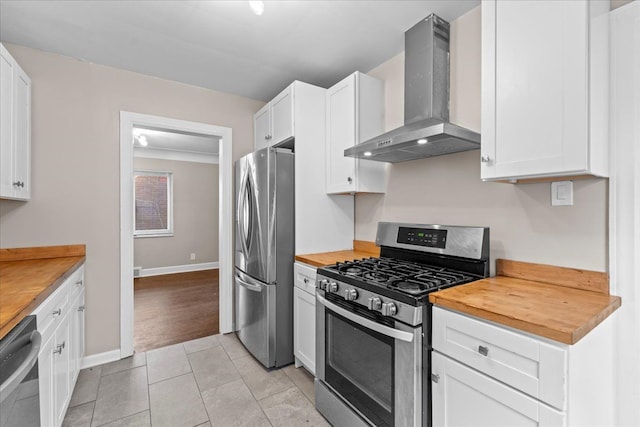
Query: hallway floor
pixel 211 381
pixel 174 308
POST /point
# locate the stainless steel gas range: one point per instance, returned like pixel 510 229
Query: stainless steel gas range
pixel 373 322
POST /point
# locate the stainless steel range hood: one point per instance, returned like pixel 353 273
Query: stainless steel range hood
pixel 426 131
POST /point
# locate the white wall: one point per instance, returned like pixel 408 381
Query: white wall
pixel 75 163
pixel 448 189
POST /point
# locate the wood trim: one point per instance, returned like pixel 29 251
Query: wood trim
pixel 42 252
pixel 587 280
pixel 366 246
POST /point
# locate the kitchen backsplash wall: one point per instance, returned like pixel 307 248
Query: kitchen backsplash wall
pixel 75 164
pixel 448 189
pixel 195 216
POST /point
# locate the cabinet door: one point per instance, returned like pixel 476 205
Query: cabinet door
pixel 341 134
pixel 22 159
pixel 7 102
pixel 462 396
pixel 45 380
pixel 76 345
pixel 261 128
pixel 282 116
pixel 61 359
pixel 534 88
pixel 304 328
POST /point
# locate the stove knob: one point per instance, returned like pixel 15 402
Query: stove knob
pixel 389 309
pixel 374 303
pixel 323 284
pixel 332 287
pixel 350 294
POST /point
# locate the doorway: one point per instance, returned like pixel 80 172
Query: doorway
pixel 175 237
pixel 128 122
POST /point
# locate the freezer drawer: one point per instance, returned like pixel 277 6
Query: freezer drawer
pixel 255 317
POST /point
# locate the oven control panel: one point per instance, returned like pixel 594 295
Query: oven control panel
pixel 386 306
pixel 428 237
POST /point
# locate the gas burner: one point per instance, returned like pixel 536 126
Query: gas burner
pixel 377 276
pixel 353 271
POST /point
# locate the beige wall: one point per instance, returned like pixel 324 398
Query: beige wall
pixel 448 189
pixel 75 162
pixel 195 216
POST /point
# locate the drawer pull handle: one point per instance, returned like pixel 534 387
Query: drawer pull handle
pixel 79 282
pixel 81 308
pixel 57 312
pixel 435 378
pixel 59 348
pixel 483 350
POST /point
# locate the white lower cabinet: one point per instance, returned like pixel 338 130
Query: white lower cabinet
pixel 304 316
pixel 486 374
pixel 61 324
pixel 465 397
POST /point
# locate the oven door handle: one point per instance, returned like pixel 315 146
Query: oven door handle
pixel 384 330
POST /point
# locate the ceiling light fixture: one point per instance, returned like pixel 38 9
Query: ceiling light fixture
pixel 257 7
pixel 422 141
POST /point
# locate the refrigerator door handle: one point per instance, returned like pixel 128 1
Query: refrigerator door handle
pixel 247 285
pixel 242 215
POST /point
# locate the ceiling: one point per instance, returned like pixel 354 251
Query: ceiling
pixel 223 45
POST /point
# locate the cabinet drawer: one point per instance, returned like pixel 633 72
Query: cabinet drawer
pixel 530 365
pixel 52 310
pixel 304 277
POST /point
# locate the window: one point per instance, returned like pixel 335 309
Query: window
pixel 153 203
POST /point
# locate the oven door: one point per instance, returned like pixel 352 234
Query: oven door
pixel 372 363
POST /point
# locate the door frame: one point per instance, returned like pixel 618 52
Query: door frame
pixel 225 223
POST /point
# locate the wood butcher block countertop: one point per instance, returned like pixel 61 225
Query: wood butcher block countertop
pixel 561 304
pixel 29 275
pixel 361 249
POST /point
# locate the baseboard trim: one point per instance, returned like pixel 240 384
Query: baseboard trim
pixel 100 358
pixel 157 271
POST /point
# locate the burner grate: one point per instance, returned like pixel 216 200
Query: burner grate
pixel 405 276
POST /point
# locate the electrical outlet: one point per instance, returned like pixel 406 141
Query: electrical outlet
pixel 193 256
pixel 562 193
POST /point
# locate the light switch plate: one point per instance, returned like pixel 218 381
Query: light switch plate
pixel 562 193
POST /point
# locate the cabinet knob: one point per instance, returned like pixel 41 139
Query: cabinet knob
pixel 81 308
pixel 19 184
pixel 305 280
pixel 79 282
pixel 435 378
pixel 57 312
pixel 485 159
pixel 267 137
pixel 349 179
pixel 483 350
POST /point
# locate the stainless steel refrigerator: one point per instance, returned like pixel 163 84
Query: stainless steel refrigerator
pixel 264 255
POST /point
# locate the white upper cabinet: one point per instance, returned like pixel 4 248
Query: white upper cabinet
pixel 274 123
pixel 355 113
pixel 15 129
pixel 544 89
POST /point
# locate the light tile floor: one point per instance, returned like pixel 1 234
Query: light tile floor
pixel 212 381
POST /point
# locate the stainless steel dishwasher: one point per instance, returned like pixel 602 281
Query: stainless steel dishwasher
pixel 19 387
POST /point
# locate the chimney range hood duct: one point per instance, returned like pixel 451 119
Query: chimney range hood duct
pixel 426 131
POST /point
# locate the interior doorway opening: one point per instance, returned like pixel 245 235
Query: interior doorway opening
pixel 130 125
pixel 175 256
